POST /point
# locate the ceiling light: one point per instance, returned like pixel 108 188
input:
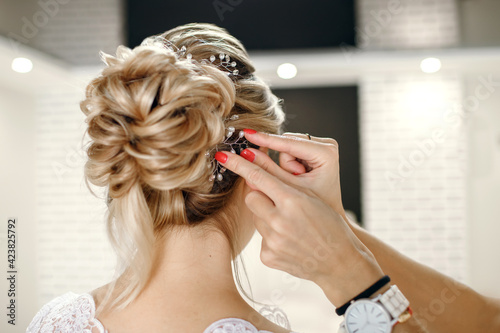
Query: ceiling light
pixel 430 65
pixel 22 65
pixel 287 71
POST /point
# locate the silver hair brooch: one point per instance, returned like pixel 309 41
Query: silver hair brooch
pixel 235 143
pixel 225 62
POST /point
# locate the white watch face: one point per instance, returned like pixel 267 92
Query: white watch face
pixel 365 316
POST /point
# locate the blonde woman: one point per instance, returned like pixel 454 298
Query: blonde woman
pixel 156 117
pixel 167 121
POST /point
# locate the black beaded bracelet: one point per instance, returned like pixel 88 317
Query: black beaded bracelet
pixel 373 288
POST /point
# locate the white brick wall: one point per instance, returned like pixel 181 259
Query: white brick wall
pixel 73 251
pixel 406 24
pixel 414 183
pixel 75 30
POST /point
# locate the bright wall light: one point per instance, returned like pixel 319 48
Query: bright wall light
pixel 22 65
pixel 287 71
pixel 430 65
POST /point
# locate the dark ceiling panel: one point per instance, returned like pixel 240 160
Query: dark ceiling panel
pixel 330 112
pixel 259 24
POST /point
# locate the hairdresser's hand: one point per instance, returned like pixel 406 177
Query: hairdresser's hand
pixel 311 164
pixel 303 235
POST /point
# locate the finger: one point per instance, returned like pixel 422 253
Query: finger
pixel 313 138
pixel 255 175
pixel 265 162
pixel 266 254
pixel 308 150
pixel 252 186
pixel 290 163
pixel 262 207
pixel 260 204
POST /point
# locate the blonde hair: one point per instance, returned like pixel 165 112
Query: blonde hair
pixel 152 116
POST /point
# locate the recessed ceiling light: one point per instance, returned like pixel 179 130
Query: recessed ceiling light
pixel 430 65
pixel 22 65
pixel 287 71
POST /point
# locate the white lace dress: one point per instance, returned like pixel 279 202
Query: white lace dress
pixel 71 312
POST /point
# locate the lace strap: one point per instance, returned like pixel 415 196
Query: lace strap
pixel 69 312
pixel 232 325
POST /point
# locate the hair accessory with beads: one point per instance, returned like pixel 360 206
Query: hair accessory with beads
pixel 233 142
pixel 224 60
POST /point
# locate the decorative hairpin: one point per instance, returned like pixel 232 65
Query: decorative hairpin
pixel 233 143
pixel 224 60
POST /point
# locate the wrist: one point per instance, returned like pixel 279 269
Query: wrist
pixel 360 273
pixel 382 290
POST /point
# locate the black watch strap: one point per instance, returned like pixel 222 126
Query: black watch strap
pixel 365 294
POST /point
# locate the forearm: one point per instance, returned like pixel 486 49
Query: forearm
pixel 438 302
pixel 361 270
pixel 413 325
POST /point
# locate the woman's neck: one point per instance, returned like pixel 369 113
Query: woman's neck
pixel 192 278
pixel 193 262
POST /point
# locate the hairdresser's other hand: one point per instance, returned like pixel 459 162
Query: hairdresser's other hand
pixel 302 234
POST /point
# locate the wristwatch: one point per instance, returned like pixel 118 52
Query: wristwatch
pixel 378 314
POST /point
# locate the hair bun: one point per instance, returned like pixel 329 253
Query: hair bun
pixel 151 117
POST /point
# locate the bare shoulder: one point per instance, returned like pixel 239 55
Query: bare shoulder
pixel 272 327
pixel 171 314
pixel 99 293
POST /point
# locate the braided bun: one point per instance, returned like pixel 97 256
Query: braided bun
pixel 152 115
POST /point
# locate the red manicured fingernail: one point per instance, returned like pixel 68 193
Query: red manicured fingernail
pixel 221 157
pixel 248 155
pixel 295 174
pixel 249 131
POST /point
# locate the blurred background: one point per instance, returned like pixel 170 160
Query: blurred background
pixel 409 88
